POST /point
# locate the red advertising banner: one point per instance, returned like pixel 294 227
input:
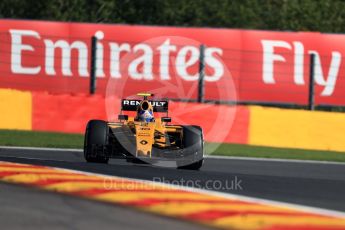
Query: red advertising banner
pixel 240 65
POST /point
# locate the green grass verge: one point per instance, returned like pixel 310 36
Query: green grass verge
pixel 40 139
pixel 270 152
pixel 61 140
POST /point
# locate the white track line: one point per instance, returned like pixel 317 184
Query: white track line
pixel 36 158
pixel 273 160
pixel 41 149
pixel 206 156
pixel 302 208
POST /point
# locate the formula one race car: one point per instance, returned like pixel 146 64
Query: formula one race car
pixel 144 138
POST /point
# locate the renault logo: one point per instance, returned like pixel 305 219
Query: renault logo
pixel 143 142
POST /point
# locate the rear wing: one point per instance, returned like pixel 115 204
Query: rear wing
pixel 132 105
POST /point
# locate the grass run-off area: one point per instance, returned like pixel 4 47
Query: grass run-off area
pixel 62 140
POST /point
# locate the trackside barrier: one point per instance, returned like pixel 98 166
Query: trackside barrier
pixel 252 125
pixel 15 109
pixel 296 128
pixel 266 67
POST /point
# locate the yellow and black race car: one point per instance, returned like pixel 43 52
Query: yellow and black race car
pixel 144 139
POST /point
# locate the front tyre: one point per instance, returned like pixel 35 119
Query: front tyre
pixel 96 141
pixel 193 147
pixel 194 166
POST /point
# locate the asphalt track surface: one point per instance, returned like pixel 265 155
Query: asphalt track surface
pixel 313 184
pixel 29 208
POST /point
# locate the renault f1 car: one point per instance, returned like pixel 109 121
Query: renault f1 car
pixel 143 138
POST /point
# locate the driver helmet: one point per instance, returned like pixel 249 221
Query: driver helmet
pixel 146 115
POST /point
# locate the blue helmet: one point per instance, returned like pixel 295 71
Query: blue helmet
pixel 146 115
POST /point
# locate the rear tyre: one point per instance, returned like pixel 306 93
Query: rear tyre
pixel 193 145
pixel 96 141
